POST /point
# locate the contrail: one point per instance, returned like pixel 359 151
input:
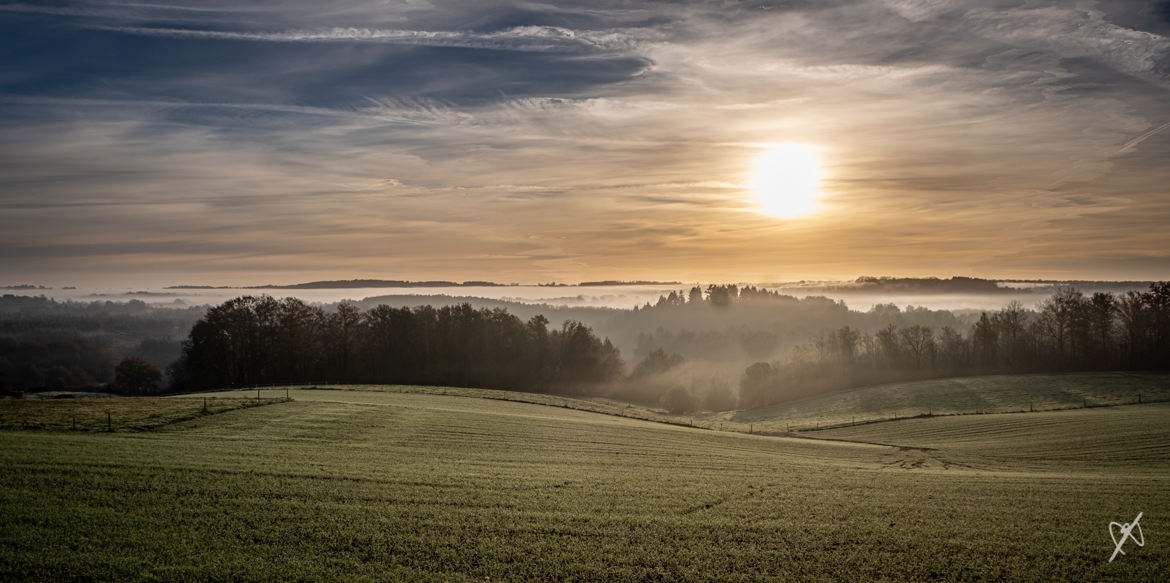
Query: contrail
pixel 1130 145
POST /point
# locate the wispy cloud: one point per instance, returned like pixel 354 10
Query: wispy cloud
pixel 521 38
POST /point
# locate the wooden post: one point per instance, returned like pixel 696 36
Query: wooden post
pixel 1139 398
pixel 1085 405
pixel 257 395
pixel 853 420
pixel 204 404
pixel 1030 409
pixel 751 428
pixel 286 394
pixel 75 422
pixel 109 427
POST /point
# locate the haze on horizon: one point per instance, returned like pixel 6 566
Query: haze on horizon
pixel 230 143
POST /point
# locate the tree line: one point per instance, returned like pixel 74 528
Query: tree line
pixel 251 341
pixel 1069 332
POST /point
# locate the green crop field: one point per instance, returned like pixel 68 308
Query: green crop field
pixel 401 484
pixel 116 413
pixel 969 395
pixel 1136 437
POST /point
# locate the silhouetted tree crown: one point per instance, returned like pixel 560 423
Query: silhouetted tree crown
pixel 251 341
pixel 136 376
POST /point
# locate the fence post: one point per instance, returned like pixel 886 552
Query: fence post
pixel 1030 409
pixel 1139 398
pixel 75 422
pixel 109 427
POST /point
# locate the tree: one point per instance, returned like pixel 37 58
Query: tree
pixel 342 334
pixel 1062 318
pixel 722 295
pixel 136 376
pixel 953 349
pixel 656 363
pixel 919 342
pixel 1010 324
pixel 1136 324
pixel 757 387
pixel 985 340
pixel 1157 302
pixel 1102 307
pixel 678 400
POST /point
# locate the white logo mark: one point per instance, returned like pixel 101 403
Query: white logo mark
pixel 1126 532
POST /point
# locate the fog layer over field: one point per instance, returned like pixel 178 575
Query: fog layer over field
pixel 861 294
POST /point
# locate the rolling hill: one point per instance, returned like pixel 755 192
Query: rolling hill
pixel 402 484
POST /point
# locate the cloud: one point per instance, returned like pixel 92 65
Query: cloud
pixel 524 38
pixel 581 140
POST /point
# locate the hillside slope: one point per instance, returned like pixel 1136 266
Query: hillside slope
pixel 381 485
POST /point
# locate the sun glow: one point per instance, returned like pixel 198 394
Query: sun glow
pixel 787 180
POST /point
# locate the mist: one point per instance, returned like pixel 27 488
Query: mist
pixel 680 348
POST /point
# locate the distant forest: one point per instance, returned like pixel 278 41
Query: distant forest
pixel 715 348
pixel 1070 332
pixel 50 345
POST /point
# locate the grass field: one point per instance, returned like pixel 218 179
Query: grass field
pixel 1132 439
pixel 956 396
pixel 116 413
pixel 412 485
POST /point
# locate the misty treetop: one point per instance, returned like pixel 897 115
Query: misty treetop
pixel 260 340
pixel 728 323
pixel 48 344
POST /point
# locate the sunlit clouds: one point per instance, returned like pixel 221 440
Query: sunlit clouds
pixel 584 140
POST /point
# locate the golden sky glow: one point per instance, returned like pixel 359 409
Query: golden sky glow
pixel 515 142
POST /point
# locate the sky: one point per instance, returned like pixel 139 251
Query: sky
pixel 234 143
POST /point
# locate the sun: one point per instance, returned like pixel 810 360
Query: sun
pixel 787 180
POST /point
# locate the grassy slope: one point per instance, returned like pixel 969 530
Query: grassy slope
pixel 124 413
pixel 987 394
pixel 1132 438
pixel 386 485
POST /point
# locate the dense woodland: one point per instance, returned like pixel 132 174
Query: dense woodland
pixel 252 341
pixel 1070 332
